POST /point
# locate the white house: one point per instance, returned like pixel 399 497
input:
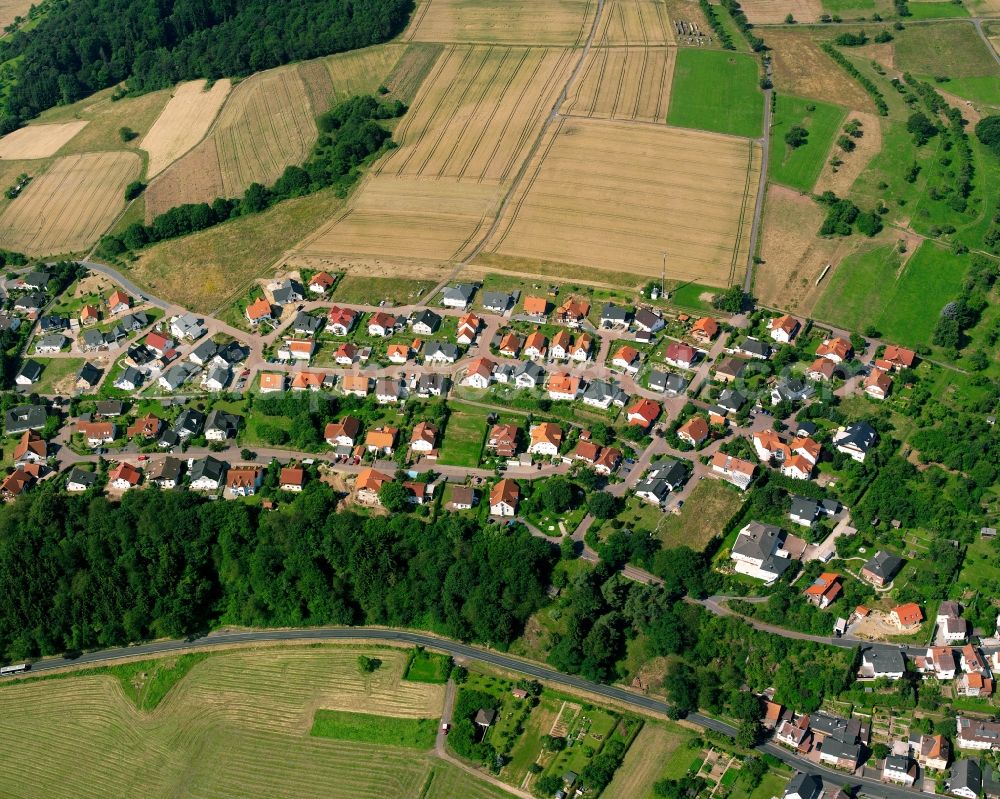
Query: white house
pixel 759 552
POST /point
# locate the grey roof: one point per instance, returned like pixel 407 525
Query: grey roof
pixel 667 381
pixel 140 353
pixel 677 383
pixel 830 506
pixel 966 773
pixel 756 347
pixel 306 323
pixel 599 390
pixel 794 389
pixel 833 726
pixel 759 541
pixel 89 373
pixel 428 382
pixel 209 467
pixel 804 786
pixel 897 763
pixel 220 374
pixel 226 422
pixel 81 476
pixel 883 564
pixel 93 338
pixel 30 301
pixel 177 375
pixel 834 747
pixel 31 370
pixel 52 340
pixel 732 400
pixel 233 352
pixel 134 321
pixel 427 317
pixel 288 291
pixel 109 408
pixel 114 334
pixel 166 469
pixel 804 508
pixel 462 292
pixel 444 348
pixel 53 322
pixel 25 417
pixel 486 716
pixel 36 280
pixel 130 376
pixel 884 661
pixel 531 369
pixel 497 299
pixel 671 471
pixel 206 350
pixel 859 435
pixel 805 429
pixel 647 319
pixel 386 386
pixel 169 438
pixel 189 422
pixel 614 313
pixel 654 486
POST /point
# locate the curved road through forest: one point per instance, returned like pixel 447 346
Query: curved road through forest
pixel 470 653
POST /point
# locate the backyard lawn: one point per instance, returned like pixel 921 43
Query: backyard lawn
pixel 464 435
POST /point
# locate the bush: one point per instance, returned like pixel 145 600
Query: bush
pixel 127 134
pixel 796 136
pixel 134 189
pixel 988 133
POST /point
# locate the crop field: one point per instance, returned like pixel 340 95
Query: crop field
pixel 70 205
pixel 954 51
pixel 266 125
pixel 365 728
pixel 183 122
pixel 616 195
pixel 337 77
pixel 624 83
pixel 237 725
pixel 539 22
pixel 801 68
pixel 9 9
pixel 635 22
pixel 657 742
pixel 478 113
pixel 800 166
pixel 38 141
pixel 716 90
pixel 771 11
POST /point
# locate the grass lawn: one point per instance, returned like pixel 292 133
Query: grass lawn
pixel 58 375
pixel 691 295
pixel 842 7
pixel 981 568
pixel 709 508
pixel 799 167
pixel 428 667
pixel 949 49
pixel 718 91
pixel 936 10
pixel 858 288
pixel 359 290
pixel 658 746
pixel 463 436
pixel 384 730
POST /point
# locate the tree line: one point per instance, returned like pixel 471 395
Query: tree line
pixel 83 46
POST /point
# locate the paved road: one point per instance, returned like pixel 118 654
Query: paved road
pixel 978 23
pixel 465 652
pixel 127 284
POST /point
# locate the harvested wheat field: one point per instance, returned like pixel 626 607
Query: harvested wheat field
pixel 635 22
pixel 337 77
pixel 770 11
pixel 409 218
pixel 793 255
pixel 9 9
pixel 38 141
pixel 624 83
pixel 538 22
pixel 655 745
pixel 866 148
pixel 237 724
pixel 615 195
pixel 478 113
pixel 183 122
pixel 266 125
pixel 70 205
pixel 801 68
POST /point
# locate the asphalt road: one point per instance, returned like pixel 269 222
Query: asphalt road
pixel 470 653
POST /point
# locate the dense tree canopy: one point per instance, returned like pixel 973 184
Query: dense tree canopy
pixel 82 46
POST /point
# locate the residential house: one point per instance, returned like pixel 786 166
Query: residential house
pixel 368 485
pixel 753 348
pixel 734 470
pixel 855 440
pixel 30 303
pixel 343 433
pixel 510 345
pixel 528 375
pixel 729 369
pixel 221 426
pixel 759 552
pixel 97 434
pixel 190 422
pixel 176 376
pixel 784 328
pixel 419 493
pixel 259 311
pixel 440 352
pixel 148 426
pixel 497 301
pixel 803 786
pixel 680 355
pixel 292 478
pixel 614 316
pixel 29 373
pixel 165 472
pixel 899 769
pixel 878 384
pixel 882 663
pixel 546 439
pixel 836 349
pixel 187 327
pixel 794 734
pixel 299 350
pixel 966 779
pixel 975 685
pixel 504 498
pixel 693 431
pixel 433 385
pixel 243 481
pixel 129 380
pixel 479 373
pixel 648 320
pixel 321 282
pixel 951 626
pixel 652 490
pixel 307 381
pixel 824 590
pixel 791 389
pixel 231 353
pixel 906 616
pixel 503 440
pixel 355 385
pixel 563 386
pixel 977 734
pixel 305 324
pixel 204 352
pixel 50 344
pixel 25 417
pixel 468 329
pixel 804 511
pixel 643 413
pixel 600 394
pixel 216 378
pixel 109 408
pixel 426 322
pixel 561 345
pixel 821 370
pixel 458 296
pixel 17 482
pixel 704 330
pixel 271 382
pixel 881 568
pixel 582 348
pixel 896 359
pixel 626 358
pixel 31 448
pixel 398 353
pixel 388 391
pixel 124 476
pixel 340 321
pixel 462 498
pixel 797 467
pixel 89 315
pixel 285 292
pixel 932 751
pixel 731 400
pixel 36 281
pixel 382 324
pixel 839 754
pixel 207 474
pixel 573 312
pixel 940 662
pixel 535 345
pixel 423 440
pixel 80 480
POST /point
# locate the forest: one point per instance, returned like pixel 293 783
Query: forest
pixel 81 572
pixel 83 46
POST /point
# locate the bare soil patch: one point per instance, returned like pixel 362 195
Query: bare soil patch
pixel 38 141
pixel 773 11
pixel 183 122
pixel 866 148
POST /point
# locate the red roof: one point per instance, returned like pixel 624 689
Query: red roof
pixel 908 614
pixel 680 352
pixel 125 471
pixel 696 428
pixel 342 316
pixel 324 279
pixel 646 410
pixel 258 309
